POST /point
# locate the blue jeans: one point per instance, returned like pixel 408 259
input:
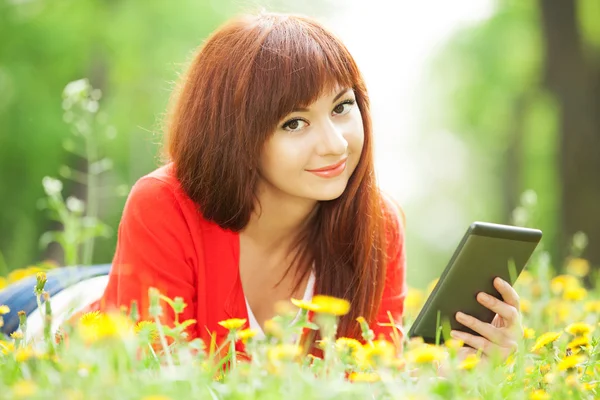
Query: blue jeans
pixel 19 296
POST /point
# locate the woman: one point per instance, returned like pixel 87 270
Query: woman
pixel 269 191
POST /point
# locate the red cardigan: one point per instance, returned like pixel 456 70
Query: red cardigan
pixel 164 242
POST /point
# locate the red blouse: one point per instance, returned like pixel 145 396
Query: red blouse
pixel 164 242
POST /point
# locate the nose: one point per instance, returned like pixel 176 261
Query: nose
pixel 331 140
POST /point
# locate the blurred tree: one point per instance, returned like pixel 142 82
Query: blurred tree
pixel 126 48
pixel 572 73
pixel 494 93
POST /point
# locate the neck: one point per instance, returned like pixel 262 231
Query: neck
pixel 276 222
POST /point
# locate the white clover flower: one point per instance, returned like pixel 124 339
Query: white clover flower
pixel 52 186
pixel 75 205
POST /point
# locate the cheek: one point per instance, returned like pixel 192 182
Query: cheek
pixel 283 159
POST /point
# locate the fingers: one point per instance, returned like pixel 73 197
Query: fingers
pixel 509 295
pixel 507 311
pixel 486 330
pixel 484 345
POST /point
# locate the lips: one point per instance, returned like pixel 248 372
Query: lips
pixel 330 167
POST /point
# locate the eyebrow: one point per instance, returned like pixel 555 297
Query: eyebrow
pixel 337 96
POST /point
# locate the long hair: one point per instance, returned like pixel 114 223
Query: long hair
pixel 244 79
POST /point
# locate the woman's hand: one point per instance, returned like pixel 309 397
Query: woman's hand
pixel 503 334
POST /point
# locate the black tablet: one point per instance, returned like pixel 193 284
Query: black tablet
pixel 485 252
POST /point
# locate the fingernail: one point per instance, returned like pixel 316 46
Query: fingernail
pixel 484 297
pixel 456 334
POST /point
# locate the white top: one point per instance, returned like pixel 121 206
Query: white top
pixel 308 294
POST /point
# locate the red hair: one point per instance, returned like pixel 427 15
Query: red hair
pixel 246 77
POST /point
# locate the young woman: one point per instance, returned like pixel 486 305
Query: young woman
pixel 269 191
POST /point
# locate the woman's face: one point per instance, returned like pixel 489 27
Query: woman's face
pixel 314 151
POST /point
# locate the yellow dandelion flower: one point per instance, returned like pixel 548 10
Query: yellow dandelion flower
pixel 470 362
pixel 147 329
pixel 578 267
pixel 414 300
pixel 592 306
pixel 528 333
pixel 525 278
pixel 539 394
pixel 90 318
pixel 348 346
pixel 17 275
pixel 305 305
pixel 431 286
pixel 246 334
pixel 17 335
pixel 579 329
pixel 381 352
pixel 23 354
pixel 589 386
pixel 24 388
pixel 574 294
pixel 545 340
pixel 579 342
pixel 525 306
pixel 3 282
pixel 570 362
pixel 156 397
pixel 365 377
pixel 559 283
pixel 233 324
pixel 415 342
pixel 4 309
pixel 545 368
pixel 331 305
pixel 529 370
pixel 273 328
pixel 426 354
pixel 6 347
pixel 101 326
pixel 549 378
pixel 454 344
pixel 283 352
pixel 572 380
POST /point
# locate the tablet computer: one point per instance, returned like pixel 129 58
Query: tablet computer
pixel 485 252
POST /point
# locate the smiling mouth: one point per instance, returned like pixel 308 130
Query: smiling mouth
pixel 330 167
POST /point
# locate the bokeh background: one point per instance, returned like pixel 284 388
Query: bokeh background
pixel 483 110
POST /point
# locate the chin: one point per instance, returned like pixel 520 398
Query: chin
pixel 330 193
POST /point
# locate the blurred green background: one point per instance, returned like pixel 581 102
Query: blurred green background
pixel 474 103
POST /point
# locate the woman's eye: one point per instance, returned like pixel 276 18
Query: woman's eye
pixel 344 107
pixel 294 125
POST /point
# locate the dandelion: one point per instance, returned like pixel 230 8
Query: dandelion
pixel 574 294
pixel 305 305
pixel 589 386
pixel 592 306
pixel 331 305
pixel 470 362
pixel 539 394
pixel 156 397
pixel 23 354
pixel 6 347
pixel 380 352
pixel 545 340
pixel 414 300
pixel 246 334
pixel 454 344
pixel 147 330
pixel 528 333
pixel 233 323
pixel 273 328
pixel 4 309
pixel 426 354
pixel 97 326
pixel 283 352
pixel 570 362
pixel 364 377
pixel 579 329
pixel 525 306
pixel 24 388
pixel 348 346
pixel 579 267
